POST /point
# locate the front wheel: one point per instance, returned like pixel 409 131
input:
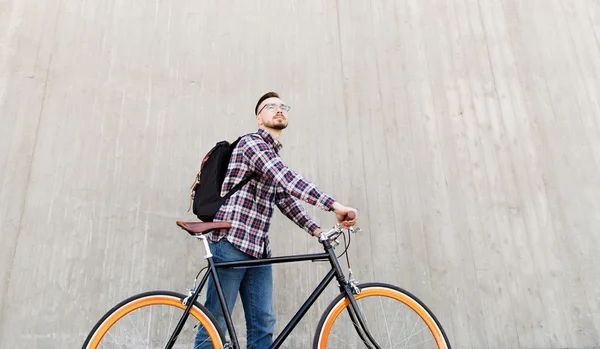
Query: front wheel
pixel 147 320
pixel 394 317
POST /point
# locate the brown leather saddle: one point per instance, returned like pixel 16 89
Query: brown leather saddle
pixel 194 228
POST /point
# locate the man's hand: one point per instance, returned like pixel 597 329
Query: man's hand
pixel 341 213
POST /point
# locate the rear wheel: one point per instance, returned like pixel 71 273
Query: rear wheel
pixel 147 320
pixel 394 317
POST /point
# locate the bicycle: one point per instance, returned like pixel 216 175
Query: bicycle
pixel 362 303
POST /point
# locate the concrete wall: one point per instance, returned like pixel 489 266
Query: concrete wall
pixel 466 132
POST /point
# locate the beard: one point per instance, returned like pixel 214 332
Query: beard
pixel 276 124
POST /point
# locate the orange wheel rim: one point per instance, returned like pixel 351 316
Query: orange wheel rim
pixel 153 300
pixel 416 307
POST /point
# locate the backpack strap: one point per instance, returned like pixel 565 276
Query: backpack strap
pixel 239 186
pixel 245 180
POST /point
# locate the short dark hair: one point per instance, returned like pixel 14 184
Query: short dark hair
pixel 265 96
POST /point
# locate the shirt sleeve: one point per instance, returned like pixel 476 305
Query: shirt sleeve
pixel 263 160
pixel 289 206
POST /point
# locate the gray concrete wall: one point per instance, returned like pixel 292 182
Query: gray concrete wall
pixel 466 132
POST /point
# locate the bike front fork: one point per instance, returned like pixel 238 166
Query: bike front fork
pixel 358 321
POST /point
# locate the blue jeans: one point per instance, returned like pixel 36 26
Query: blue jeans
pixel 255 286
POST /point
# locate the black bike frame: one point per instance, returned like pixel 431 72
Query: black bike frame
pixel 335 271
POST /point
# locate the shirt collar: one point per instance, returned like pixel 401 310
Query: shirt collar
pixel 270 140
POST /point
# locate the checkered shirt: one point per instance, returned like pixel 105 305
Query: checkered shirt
pixel 250 209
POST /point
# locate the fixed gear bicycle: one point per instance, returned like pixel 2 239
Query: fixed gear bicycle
pixel 370 315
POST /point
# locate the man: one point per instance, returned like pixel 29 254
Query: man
pixel 249 211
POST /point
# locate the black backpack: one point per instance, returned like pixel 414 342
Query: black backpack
pixel 206 199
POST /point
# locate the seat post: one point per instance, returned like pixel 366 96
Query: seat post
pixel 206 247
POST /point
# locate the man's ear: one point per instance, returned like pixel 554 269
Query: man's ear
pixel 259 120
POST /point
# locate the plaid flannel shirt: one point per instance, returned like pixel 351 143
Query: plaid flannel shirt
pixel 250 209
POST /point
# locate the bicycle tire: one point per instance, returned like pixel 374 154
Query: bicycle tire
pixel 340 303
pixel 146 299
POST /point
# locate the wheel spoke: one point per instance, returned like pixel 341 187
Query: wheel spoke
pixel 115 340
pixel 138 332
pixel 149 327
pixel 411 333
pixel 405 320
pixel 171 320
pixel 128 335
pixel 343 341
pixel 199 344
pixel 425 341
pixel 385 320
pixel 396 317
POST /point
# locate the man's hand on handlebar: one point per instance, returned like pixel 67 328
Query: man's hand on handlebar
pixel 346 216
